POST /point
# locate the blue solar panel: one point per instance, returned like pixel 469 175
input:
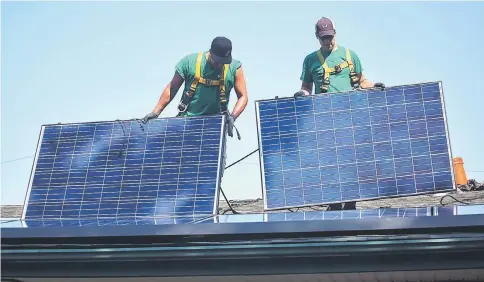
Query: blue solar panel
pixel 326 215
pixel 116 222
pixel 125 169
pixel 354 145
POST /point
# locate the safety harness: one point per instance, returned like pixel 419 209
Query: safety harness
pixel 189 94
pixel 337 69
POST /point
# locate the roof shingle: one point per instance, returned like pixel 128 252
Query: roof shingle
pixel 251 206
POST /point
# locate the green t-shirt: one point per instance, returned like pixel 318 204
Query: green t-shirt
pixel 312 69
pixel 206 100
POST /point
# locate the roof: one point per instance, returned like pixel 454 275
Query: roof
pixel 472 197
pixel 250 206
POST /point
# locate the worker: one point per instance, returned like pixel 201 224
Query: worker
pixel 209 77
pixel 331 69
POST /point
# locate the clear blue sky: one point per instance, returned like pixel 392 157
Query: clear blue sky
pixel 90 61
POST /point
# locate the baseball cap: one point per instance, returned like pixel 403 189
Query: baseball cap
pixel 324 27
pixel 221 50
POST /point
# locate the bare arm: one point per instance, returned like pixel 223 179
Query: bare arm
pixel 364 82
pixel 241 91
pixel 307 87
pixel 169 93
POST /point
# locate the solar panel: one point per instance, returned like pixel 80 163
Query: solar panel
pixel 116 222
pixel 354 145
pixel 125 169
pixel 326 215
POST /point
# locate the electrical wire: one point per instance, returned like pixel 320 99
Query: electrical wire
pixel 228 202
pixel 455 200
pixel 459 201
pixel 17 159
pixel 243 158
pixel 227 167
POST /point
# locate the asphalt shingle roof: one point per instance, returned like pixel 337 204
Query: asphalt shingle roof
pixel 256 205
pixel 473 197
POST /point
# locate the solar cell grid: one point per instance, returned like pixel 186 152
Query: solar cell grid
pixel 167 167
pixel 349 214
pixel 328 215
pixel 353 145
pixel 93 222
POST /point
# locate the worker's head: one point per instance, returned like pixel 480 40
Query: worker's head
pixel 325 32
pixel 220 52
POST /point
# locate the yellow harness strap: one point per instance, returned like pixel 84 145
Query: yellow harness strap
pixel 349 60
pixel 327 70
pixel 325 65
pixel 338 68
pixel 223 97
pixel 354 78
pixel 210 82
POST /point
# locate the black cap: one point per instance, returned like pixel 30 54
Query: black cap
pixel 221 50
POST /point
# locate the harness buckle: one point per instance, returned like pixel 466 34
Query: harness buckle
pixel 337 69
pixel 182 107
pixel 208 81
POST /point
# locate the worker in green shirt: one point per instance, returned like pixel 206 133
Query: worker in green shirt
pixel 332 68
pixel 209 77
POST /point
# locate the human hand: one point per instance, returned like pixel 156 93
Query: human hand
pixel 301 93
pixel 379 85
pixel 149 116
pixel 230 125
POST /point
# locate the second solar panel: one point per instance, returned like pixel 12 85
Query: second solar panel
pixel 354 145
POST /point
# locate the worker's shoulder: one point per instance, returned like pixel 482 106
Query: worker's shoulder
pixel 235 64
pixel 343 49
pixel 312 56
pixel 190 57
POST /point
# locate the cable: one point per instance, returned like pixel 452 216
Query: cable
pixel 8 221
pixel 232 164
pixel 18 159
pixel 242 158
pixel 459 201
pixel 228 203
pixel 455 200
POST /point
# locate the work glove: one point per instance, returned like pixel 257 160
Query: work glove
pixel 300 93
pixel 230 125
pixel 230 121
pixel 149 116
pixel 380 85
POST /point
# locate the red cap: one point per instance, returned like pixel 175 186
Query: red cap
pixel 324 27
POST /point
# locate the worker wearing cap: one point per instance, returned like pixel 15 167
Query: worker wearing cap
pixel 209 77
pixel 332 68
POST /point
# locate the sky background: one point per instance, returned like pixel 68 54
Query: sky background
pixel 90 61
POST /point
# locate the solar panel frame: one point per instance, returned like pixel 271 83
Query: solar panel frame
pixel 138 221
pixel 261 153
pixel 220 163
pixel 323 215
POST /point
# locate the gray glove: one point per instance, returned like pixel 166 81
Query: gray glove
pixel 149 116
pixel 230 125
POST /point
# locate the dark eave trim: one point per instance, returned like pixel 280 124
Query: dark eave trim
pixel 265 259
pixel 220 232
